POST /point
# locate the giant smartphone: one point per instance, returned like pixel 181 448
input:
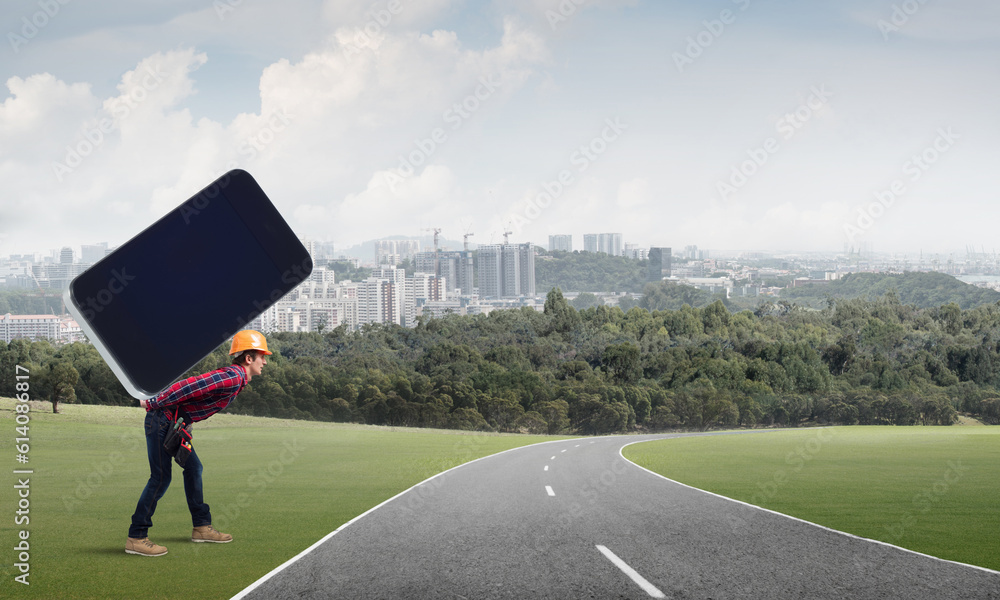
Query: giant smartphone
pixel 165 299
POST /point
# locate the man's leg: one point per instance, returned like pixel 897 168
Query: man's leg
pixel 200 512
pixel 201 516
pixel 155 427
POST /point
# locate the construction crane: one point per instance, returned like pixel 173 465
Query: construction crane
pixel 465 241
pixel 506 234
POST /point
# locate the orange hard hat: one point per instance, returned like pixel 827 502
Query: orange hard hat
pixel 248 339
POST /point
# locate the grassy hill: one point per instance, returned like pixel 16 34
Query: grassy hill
pixel 925 290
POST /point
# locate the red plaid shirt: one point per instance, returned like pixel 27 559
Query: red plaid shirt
pixel 203 395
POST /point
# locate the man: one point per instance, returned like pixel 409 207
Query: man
pixel 194 399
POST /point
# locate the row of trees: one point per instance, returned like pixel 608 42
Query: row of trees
pixel 924 290
pixel 604 370
pixel 588 271
pixel 40 303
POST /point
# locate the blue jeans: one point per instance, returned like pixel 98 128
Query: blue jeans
pixel 156 426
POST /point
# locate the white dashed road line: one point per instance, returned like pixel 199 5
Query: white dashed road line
pixel 548 490
pixel 546 468
pixel 649 588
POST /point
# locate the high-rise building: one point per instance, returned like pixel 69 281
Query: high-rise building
pixel 659 264
pixel 377 302
pixel 490 273
pixel 389 303
pixel 506 270
pixel 608 243
pixel 466 281
pixel 563 243
pixel 455 266
pixel 66 256
pixel 421 289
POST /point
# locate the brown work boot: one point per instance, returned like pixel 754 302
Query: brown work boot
pixel 207 533
pixel 143 547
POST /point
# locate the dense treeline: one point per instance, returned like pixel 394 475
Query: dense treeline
pixel 32 303
pixel 589 272
pixel 924 290
pixel 604 370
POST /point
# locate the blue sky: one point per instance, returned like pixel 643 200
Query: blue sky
pixel 731 124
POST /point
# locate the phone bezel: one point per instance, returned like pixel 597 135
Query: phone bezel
pixel 264 223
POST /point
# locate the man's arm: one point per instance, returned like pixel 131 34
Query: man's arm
pixel 194 387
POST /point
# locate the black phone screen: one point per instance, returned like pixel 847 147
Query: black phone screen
pixel 169 296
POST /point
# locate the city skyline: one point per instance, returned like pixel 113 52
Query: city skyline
pixel 453 246
pixel 740 125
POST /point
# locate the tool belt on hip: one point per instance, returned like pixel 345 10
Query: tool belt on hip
pixel 177 442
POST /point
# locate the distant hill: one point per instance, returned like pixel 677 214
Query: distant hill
pixel 366 250
pixel 588 272
pixel 925 290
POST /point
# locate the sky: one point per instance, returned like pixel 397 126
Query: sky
pixel 733 125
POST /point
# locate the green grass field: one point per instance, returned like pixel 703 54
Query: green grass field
pixel 277 486
pixel 935 490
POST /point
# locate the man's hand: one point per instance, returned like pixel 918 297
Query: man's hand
pixel 142 403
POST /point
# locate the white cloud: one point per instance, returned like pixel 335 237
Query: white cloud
pixel 325 105
pixel 329 126
pixel 38 111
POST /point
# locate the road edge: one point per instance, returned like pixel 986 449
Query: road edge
pixel 774 512
pixel 253 586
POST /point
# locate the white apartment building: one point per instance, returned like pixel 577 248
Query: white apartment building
pixel 440 308
pixel 31 327
pixel 378 302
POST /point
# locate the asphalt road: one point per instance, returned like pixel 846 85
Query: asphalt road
pixel 573 519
